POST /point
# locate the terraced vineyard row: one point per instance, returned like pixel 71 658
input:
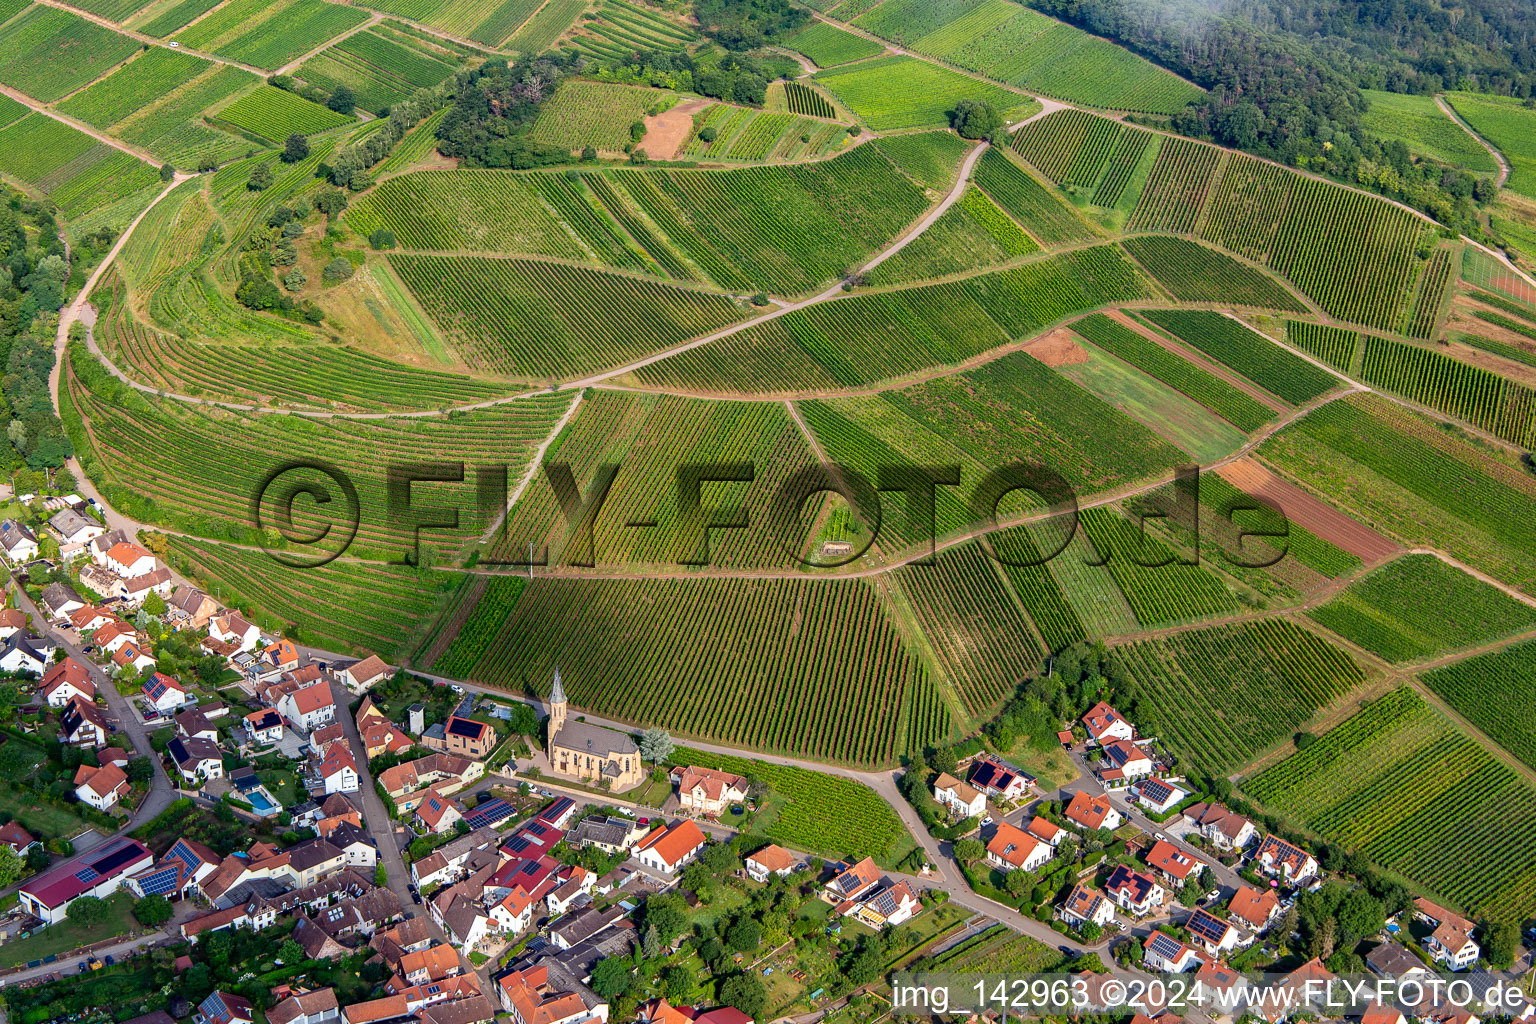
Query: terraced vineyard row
pixel 1483 689
pixel 1335 346
pixel 1233 344
pixel 1027 201
pixel 1193 273
pixel 1221 696
pixel 1160 588
pixel 1421 323
pixel 1404 787
pixel 851 341
pixel 1480 397
pixel 782 666
pixel 1071 147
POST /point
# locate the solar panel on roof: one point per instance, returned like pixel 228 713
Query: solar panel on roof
pixel 87 875
pixel 113 861
pixel 464 727
pixel 159 883
pixel 1166 945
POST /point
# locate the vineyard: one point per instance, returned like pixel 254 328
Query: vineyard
pixel 378 69
pixel 479 210
pixel 1480 397
pixel 1230 403
pixel 492 608
pixel 1398 783
pixel 1010 43
pixel 622 29
pixel 816 812
pixel 546 25
pixel 1027 201
pixel 1420 124
pixel 195 469
pixel 594 114
pixel 275 114
pixel 850 342
pixel 1335 346
pixel 154 72
pixel 802 99
pixel 1408 476
pixel 1421 322
pixel 1158 583
pixel 1176 191
pixel 1193 273
pixel 827 45
pixel 1072 147
pixel 548 320
pixel 48 53
pixel 1484 688
pixel 999 949
pixel 343 606
pixel 173 129
pixel 929 158
pixel 902 92
pixel 74 170
pixel 177 16
pixel 1505 122
pixel 971 234
pixel 812 668
pixel 1418 606
pixel 1220 697
pixel 269 35
pixel 1251 354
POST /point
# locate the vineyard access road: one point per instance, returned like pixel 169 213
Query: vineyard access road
pixel 1493 150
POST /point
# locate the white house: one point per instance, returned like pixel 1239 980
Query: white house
pixel 128 560
pixel 1159 795
pixel 887 907
pixel 1133 891
pixel 1225 830
pixel 1211 933
pixel 362 676
pixel 338 769
pixel 18 542
pixel 98 873
pixel 101 788
pixel 770 860
pixel 233 629
pixel 264 727
pixel 1280 859
pixel 959 797
pixel 316 1007
pixel 1130 759
pixel 309 707
pixel 23 652
pixel 1091 812
pixel 1163 952
pixel 196 758
pixel 1105 724
pixel 1013 849
pixel 64 681
pixel 562 897
pixel 515 911
pixel 130 655
pixel 75 527
pixel 82 724
pixel 1083 905
pixel 1451 943
pixel 1174 865
pixel 164 693
pixel 667 850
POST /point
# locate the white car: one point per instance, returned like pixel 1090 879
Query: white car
pixel 1158 835
pixel 1213 894
pixel 987 820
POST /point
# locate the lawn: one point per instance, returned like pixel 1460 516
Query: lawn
pixel 282 784
pixel 69 935
pixel 43 821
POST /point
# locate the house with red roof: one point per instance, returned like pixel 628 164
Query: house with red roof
pixel 769 861
pixel 514 913
pixel 17 838
pixel 223 1008
pixel 1091 812
pixel 65 680
pixel 996 778
pixel 1174 865
pixel 101 788
pixel 163 693
pixel 1105 724
pixel 264 727
pixel 98 873
pixel 887 907
pixel 707 791
pixel 854 882
pixel 547 993
pixel 1013 849
pixel 960 798
pixel 1133 891
pixel 128 560
pixel 1163 952
pixel 309 707
pixel 338 769
pixel 670 849
pixel 1085 904
pixel 1225 830
pixel 1126 757
pixel 1285 861
pixel 1256 908
pixel 436 812
pixel 1046 831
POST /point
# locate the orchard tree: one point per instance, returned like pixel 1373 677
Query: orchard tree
pixel 975 119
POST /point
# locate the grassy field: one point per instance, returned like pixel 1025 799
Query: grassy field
pixel 68 935
pixel 1508 125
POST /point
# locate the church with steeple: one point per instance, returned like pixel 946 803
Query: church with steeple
pixel 590 752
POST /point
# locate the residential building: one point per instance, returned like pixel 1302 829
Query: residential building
pixel 18 839
pixel 264 727
pixel 1285 861
pixel 1105 724
pixel 1256 908
pixel 192 724
pixel 25 654
pixel 98 873
pixel 1084 905
pixel 164 694
pixel 1163 952
pixel 1225 830
pixel 547 993
pixel 198 760
pixel 769 861
pixel 378 733
pixel 137 589
pixel 1451 943
pixel 1133 891
pixel 128 560
pixel 889 906
pixel 89 618
pixel 233 628
pixel 338 769
pixel 1174 865
pixel 463 737
pixel 958 797
pixel 102 788
pixel 315 1007
pixel 854 882
pixel 190 608
pixel 65 680
pixel 18 542
pixel 668 850
pixel 1130 760
pixel 75 527
pixel 112 636
pixel 576 886
pixel 514 913
pixel 177 874
pixel 437 813
pixel 707 791
pixel 406 783
pixel 999 779
pixel 1046 831
pixel 308 708
pixel 1092 812
pixel 608 834
pixel 588 751
pixel 12 621
pixel 1013 849
pixel 1392 960
pixel 132 655
pixel 1210 933
pixel 224 1008
pixel 362 676
pixel 1159 795
pixel 83 725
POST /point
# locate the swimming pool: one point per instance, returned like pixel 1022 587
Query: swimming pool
pixel 262 805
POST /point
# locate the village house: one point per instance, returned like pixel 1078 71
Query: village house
pixel 1127 758
pixel 74 527
pixel 437 813
pixel 1159 795
pixel 362 676
pixel 667 850
pixel 1091 812
pixel 132 655
pixel 264 727
pixel 1013 849
pixel 102 788
pixel 1211 933
pixel 1046 831
pixel 1256 908
pixel 608 834
pixel 853 882
pixel 464 737
pixel 547 993
pixel 128 560
pixel 97 873
pixel 769 861
pixel 1133 891
pixel 1084 905
pixel 233 629
pixel 407 783
pixel 1163 952
pixel 64 681
pixel 959 798
pixel 138 589
pixel 887 907
pixel 12 621
pixel 82 724
pixel 308 708
pixel 113 635
pixel 89 618
pixel 337 769
pixel 190 608
pixel 192 724
pixel 577 884
pixel 18 542
pixel 1451 943
pixel 707 791
pixel 198 760
pixel 998 779
pixel 164 694
pixel 378 733
pixel 314 1007
pixel 1105 725
pixel 1285 861
pixel 26 654
pixel 18 839
pixel 1225 830
pixel 1392 960
pixel 176 874
pixel 1174 865
pixel 224 1008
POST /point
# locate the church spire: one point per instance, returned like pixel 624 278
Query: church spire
pixel 557 692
